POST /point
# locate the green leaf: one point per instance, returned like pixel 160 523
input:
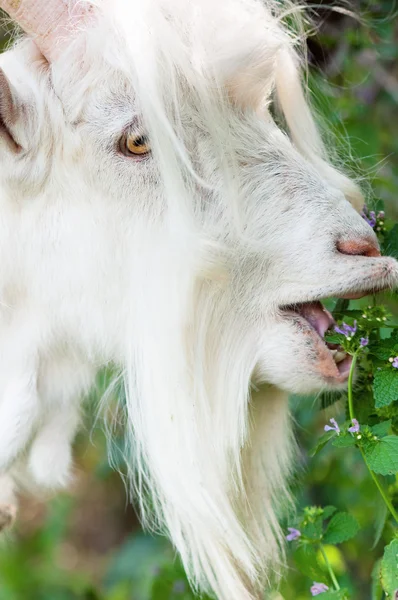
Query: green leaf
pixel 344 441
pixel 328 511
pixel 343 314
pixel 382 456
pixel 389 569
pixel 323 440
pixel 341 528
pixel 377 589
pixel 381 429
pixel 388 348
pixel 306 561
pixel 385 387
pixel 334 338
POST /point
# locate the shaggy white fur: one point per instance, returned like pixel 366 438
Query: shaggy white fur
pixel 176 265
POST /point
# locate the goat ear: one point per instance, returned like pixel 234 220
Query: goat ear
pixel 252 87
pixel 9 111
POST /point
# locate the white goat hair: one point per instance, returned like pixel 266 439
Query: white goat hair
pixel 174 266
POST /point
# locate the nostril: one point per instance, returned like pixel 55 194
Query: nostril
pixel 359 247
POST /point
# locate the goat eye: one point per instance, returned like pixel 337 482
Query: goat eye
pixel 134 145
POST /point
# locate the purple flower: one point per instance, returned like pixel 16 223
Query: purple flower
pixel 395 362
pixel 346 330
pixel 318 588
pixel 334 426
pixel 294 534
pixel 370 217
pixel 355 427
pixel 364 342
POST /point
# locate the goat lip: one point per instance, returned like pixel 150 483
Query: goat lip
pixel 344 367
pixel 313 320
pixel 358 294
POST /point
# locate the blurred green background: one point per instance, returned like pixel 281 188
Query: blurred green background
pixel 87 543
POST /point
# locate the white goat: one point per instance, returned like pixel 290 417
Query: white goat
pixel 156 215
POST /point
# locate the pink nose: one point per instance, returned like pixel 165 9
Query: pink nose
pixel 359 247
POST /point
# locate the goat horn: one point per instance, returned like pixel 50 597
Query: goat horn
pixel 47 21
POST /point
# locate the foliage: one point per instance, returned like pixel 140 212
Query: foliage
pixel 372 342
pixel 87 545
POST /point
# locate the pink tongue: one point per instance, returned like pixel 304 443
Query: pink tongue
pixel 317 315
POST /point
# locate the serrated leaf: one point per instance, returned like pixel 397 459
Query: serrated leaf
pixel 388 348
pixel 377 589
pixel 389 569
pixel 382 456
pixel 328 511
pixel 321 443
pixel 344 441
pixel 381 429
pixel 385 387
pixel 306 561
pixel 341 528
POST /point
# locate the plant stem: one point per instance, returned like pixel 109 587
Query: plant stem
pixel 350 378
pixel 383 494
pixel 341 306
pixel 329 567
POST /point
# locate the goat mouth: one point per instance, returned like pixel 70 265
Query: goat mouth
pixel 313 320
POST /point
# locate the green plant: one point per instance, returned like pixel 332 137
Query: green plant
pixel 370 337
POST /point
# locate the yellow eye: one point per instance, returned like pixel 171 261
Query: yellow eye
pixel 134 145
